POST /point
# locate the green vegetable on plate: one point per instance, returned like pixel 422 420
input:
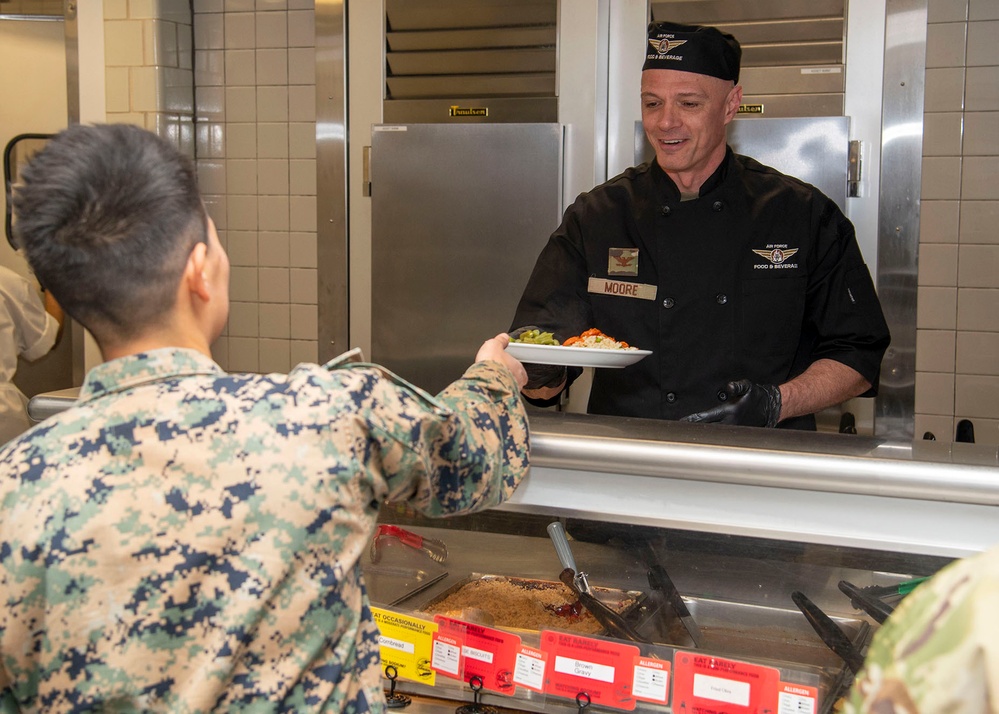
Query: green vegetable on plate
pixel 536 337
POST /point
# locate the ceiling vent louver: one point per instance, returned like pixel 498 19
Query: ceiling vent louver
pixel 470 60
pixel 31 9
pixel 793 51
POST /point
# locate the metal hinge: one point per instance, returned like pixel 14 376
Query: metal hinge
pixel 854 168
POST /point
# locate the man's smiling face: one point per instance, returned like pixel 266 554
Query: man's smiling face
pixel 684 116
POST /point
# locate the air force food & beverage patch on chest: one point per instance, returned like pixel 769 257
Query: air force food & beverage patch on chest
pixel 777 256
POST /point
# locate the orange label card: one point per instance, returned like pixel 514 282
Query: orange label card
pixel 485 652
pixel 600 669
pixel 712 685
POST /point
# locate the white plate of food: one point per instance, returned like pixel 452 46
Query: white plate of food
pixel 575 356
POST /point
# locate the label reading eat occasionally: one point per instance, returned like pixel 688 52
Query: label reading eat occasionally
pixel 707 685
pixel 406 643
pixel 603 670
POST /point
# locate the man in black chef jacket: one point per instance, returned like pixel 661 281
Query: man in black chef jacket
pixel 748 285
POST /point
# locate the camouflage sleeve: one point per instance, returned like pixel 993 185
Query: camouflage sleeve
pixel 8 703
pixel 464 451
pixel 939 650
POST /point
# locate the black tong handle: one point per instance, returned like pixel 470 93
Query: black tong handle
pixel 829 631
pixel 873 606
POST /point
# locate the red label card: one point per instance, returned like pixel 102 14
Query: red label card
pixel 485 652
pixel 711 685
pixel 601 670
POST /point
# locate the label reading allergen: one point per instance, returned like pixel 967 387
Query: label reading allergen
pixel 447 655
pixel 651 680
pixel 797 699
pixel 529 671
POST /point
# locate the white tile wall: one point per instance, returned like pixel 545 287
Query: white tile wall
pixel 957 344
pixel 149 67
pixel 255 76
pixel 979 221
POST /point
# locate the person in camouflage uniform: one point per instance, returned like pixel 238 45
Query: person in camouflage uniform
pixel 937 652
pixel 188 540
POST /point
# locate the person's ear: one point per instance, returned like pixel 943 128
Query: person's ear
pixel 732 103
pixel 196 272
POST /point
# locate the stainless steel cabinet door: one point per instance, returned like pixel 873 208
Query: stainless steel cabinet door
pixel 459 215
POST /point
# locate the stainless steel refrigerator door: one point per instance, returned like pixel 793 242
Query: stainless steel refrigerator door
pixel 459 216
pixel 813 149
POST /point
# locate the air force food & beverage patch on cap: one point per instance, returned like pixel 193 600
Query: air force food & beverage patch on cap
pixel 693 48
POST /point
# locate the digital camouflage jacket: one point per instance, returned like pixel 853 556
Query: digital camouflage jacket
pixel 188 540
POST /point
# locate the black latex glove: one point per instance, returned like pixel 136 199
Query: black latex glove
pixel 540 375
pixel 745 403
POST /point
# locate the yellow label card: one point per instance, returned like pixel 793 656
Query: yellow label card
pixel 406 643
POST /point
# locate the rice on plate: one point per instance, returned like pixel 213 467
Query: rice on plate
pixel 598 340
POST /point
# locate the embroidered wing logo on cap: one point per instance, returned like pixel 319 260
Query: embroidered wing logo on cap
pixel 777 255
pixel 664 47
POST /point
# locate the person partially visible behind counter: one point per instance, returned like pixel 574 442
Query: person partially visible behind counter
pixel 29 328
pixel 938 652
pixel 185 539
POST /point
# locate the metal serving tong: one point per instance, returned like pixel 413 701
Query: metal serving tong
pixel 827 629
pixel 869 598
pixel 557 533
pixel 577 582
pixel 861 600
pixel 660 580
pixel 434 548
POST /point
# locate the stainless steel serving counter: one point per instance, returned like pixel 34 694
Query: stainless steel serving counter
pixel 927 497
pixel 840 489
pixel 753 582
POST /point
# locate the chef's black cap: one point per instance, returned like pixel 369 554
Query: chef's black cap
pixel 693 48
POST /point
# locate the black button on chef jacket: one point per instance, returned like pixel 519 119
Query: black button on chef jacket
pixel 758 277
